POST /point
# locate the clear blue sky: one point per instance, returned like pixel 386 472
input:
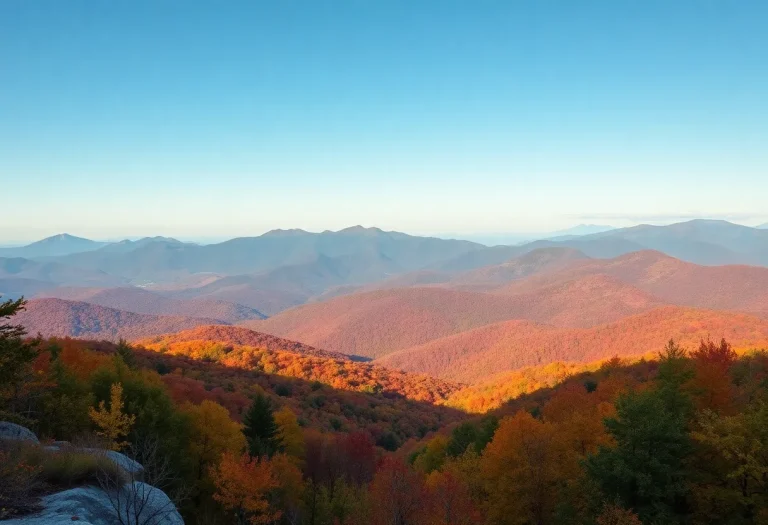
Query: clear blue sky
pixel 194 118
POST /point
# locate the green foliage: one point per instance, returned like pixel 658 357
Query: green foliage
pixel 260 429
pixel 645 470
pixel 388 441
pixel 64 406
pixel 16 356
pixel 125 352
pixel 157 418
pixel 469 434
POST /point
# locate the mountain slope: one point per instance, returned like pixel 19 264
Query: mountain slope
pixel 239 348
pixel 473 355
pixel 729 287
pixel 700 241
pixel 139 300
pixel 54 273
pixel 60 318
pixel 542 260
pixel 373 324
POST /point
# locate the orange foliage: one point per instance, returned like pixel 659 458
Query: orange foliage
pixel 242 486
pixel 449 501
pixel 398 493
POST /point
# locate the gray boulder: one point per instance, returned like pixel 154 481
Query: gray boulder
pixel 14 432
pixel 139 504
pixel 133 468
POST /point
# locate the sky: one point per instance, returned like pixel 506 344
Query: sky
pixel 217 119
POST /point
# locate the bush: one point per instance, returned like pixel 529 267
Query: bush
pixel 18 482
pixel 70 468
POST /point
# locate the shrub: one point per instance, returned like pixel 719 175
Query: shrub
pixel 18 481
pixel 70 468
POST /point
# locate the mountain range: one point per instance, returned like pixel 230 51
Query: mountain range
pixel 452 309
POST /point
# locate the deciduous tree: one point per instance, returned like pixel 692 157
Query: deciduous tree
pixel 114 424
pixel 243 484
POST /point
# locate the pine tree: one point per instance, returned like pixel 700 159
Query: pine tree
pixel 125 351
pixel 645 471
pixel 260 428
pixel 16 354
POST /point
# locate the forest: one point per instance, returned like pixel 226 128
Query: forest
pixel 253 437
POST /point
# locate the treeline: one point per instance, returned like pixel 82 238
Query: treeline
pixel 682 439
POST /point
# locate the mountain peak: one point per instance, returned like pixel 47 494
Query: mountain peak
pixel 61 237
pixel 358 229
pixel 285 233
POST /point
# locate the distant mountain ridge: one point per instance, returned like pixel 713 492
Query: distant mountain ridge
pixel 60 318
pixel 55 246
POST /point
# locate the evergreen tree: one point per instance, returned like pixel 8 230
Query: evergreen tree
pixel 645 470
pixel 260 428
pixel 125 352
pixel 16 355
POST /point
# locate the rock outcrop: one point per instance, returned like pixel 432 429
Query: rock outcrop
pixel 134 503
pixel 138 504
pixel 14 432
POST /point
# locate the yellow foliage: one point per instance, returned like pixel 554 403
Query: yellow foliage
pixel 114 425
pixel 213 434
pixel 290 433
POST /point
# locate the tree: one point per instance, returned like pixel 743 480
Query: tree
pixel 125 352
pixel 525 467
pixel 711 386
pixel 433 456
pixel 243 484
pixel 449 501
pixel 260 429
pixel 290 434
pixel 213 434
pixel 397 493
pixel 733 483
pixel 16 356
pixel 645 470
pixel 113 422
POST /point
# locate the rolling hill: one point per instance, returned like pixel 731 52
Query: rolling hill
pixel 239 348
pixel 139 300
pixel 60 318
pixel 373 324
pixel 541 260
pixel 235 336
pixel 54 273
pixel 476 354
pixel 729 287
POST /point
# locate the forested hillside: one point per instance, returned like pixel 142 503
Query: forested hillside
pixel 246 443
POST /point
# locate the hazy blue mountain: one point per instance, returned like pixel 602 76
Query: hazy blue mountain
pixel 708 242
pixel 700 241
pixel 763 226
pixel 54 273
pixel 128 245
pixel 578 231
pixel 58 245
pixel 247 255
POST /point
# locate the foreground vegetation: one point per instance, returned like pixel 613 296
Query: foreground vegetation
pixel 682 438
